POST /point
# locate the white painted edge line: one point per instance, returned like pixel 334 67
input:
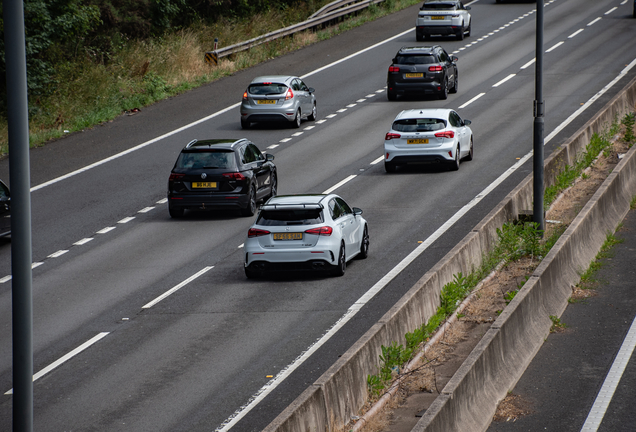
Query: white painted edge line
pixel 66 357
pixel 337 185
pixel 594 21
pixel 176 287
pixel 6 279
pixel 83 241
pixel 611 10
pixel 555 46
pixel 162 201
pixel 575 33
pixel 509 77
pixel 472 100
pixel 353 310
pixel 126 220
pixel 604 397
pixel 378 160
pixel 105 230
pixel 529 63
pixel 58 253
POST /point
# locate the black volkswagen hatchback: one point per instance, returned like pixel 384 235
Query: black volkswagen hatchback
pixel 221 174
pixel 5 210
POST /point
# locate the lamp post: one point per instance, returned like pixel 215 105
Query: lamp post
pixel 539 111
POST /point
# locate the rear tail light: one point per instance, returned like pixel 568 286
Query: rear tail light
pixel 289 95
pixel 175 176
pixel 234 176
pixel 255 232
pixel 323 230
pixel 389 136
pixel 245 95
pixel 445 134
pixel 394 69
pixel 435 68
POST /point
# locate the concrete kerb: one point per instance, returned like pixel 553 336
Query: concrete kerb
pixel 468 401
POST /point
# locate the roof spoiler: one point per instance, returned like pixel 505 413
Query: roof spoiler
pixel 307 206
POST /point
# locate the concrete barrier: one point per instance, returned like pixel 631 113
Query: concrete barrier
pixel 468 401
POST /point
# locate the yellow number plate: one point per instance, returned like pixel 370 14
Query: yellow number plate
pixel 266 102
pixel 437 17
pixel 288 236
pixel 413 75
pixel 204 185
pixel 417 141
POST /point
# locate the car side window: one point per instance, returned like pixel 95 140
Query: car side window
pixel 453 118
pixel 336 210
pixel 4 191
pixel 443 57
pixel 344 206
pixel 303 86
pixel 257 152
pixel 296 85
pixel 248 155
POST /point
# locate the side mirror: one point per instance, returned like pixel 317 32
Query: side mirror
pixel 269 157
pixel 467 122
pixel 357 211
pixel 454 58
pixel 467 7
pixel 311 90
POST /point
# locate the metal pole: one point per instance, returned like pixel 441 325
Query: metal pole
pixel 21 254
pixel 539 110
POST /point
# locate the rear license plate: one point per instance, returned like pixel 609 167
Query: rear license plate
pixel 417 141
pixel 204 185
pixel 288 236
pixel 438 17
pixel 266 102
pixel 414 75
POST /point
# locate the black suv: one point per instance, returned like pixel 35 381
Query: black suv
pixel 422 70
pixel 221 174
pixel 5 210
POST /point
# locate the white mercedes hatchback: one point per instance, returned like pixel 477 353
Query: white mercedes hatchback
pixel 433 136
pixel 305 232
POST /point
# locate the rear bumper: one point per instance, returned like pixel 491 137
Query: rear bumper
pixel 440 154
pixel 433 87
pixel 446 30
pixel 206 202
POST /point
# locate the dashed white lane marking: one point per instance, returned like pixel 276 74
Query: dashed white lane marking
pixel 66 357
pixel 360 100
pixel 370 95
pixel 575 33
pixel 36 264
pixel 298 133
pixel 145 210
pixel 126 220
pixel 509 77
pixel 105 230
pixel 58 253
pixel 273 146
pixel 83 241
pixel 176 287
pixel 555 46
pixel 284 140
pixel 351 105
pixel 378 160
pixel 611 10
pixel 162 201
pixel 241 245
pixel 594 21
pixel 529 63
pixel 337 185
pixel 309 127
pixel 321 121
pixel 331 116
pixel 604 397
pixel 623 2
pixel 380 91
pixel 5 279
pixel 341 110
pixel 472 100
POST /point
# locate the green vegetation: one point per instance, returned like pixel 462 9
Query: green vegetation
pixel 90 61
pixel 557 325
pixel 589 276
pixel 628 121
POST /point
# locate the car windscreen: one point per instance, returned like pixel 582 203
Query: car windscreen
pixel 290 217
pixel 415 59
pixel 206 159
pixel 419 125
pixel 438 6
pixel 267 88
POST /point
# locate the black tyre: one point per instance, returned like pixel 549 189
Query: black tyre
pixel 455 164
pixel 391 95
pixel 340 267
pixel 471 152
pixel 419 37
pixel 444 93
pixel 460 33
pixel 274 187
pixel 250 274
pixel 364 244
pixel 390 167
pixel 175 213
pixel 297 120
pixel 455 84
pixel 314 114
pixel 468 30
pixel 251 204
pixel 245 124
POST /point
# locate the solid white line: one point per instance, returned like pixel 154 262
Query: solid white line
pixel 509 77
pixel 529 63
pixel 472 100
pixel 68 356
pixel 378 160
pixel 336 186
pixel 611 10
pixel 57 254
pixel 596 20
pixel 83 241
pixel 105 230
pixel 604 397
pixel 575 33
pixel 176 288
pixel 353 310
pixel 555 47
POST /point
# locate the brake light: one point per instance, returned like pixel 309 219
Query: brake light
pixel 435 68
pixel 245 95
pixel 289 95
pixel 323 230
pixel 267 82
pixel 255 232
pixel 445 134
pixel 389 136
pixel 234 176
pixel 394 69
pixel 175 176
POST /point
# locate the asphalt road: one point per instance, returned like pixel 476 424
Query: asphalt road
pixel 193 360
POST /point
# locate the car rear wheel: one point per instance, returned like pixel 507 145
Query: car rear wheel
pixel 364 244
pixel 175 212
pixel 469 157
pixel 460 33
pixel 245 124
pixel 340 267
pixel 297 119
pixel 468 30
pixel 455 164
pixel 314 113
pixel 419 37
pixel 444 93
pixel 390 95
pixel 274 187
pixel 390 167
pixel 250 274
pixel 251 204
pixel 455 84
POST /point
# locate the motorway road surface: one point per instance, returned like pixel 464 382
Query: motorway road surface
pixel 104 246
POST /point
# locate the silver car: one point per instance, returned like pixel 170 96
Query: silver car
pixel 443 17
pixel 278 98
pixel 305 232
pixel 436 135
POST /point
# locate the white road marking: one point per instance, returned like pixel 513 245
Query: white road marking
pixel 83 241
pixel 575 33
pixel 162 201
pixel 529 63
pixel 57 254
pixel 273 146
pixel 321 121
pixel 380 91
pixel 360 100
pixel 309 127
pixel 509 77
pixel 241 245
pixel 378 160
pixel 341 110
pixel 67 357
pixel 355 308
pixel 105 230
pixel 472 100
pixel 145 210
pixel 337 185
pixel 604 397
pixel 298 133
pixel 176 288
pixel 284 140
pixel 331 115
pixel 555 47
pixel 351 105
pixel 36 264
pixel 370 95
pixel 6 279
pixel 126 220
pixel 611 10
pixel 595 21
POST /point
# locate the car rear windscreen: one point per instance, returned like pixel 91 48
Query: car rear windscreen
pixel 206 159
pixel 415 59
pixel 419 125
pixel 267 88
pixel 290 217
